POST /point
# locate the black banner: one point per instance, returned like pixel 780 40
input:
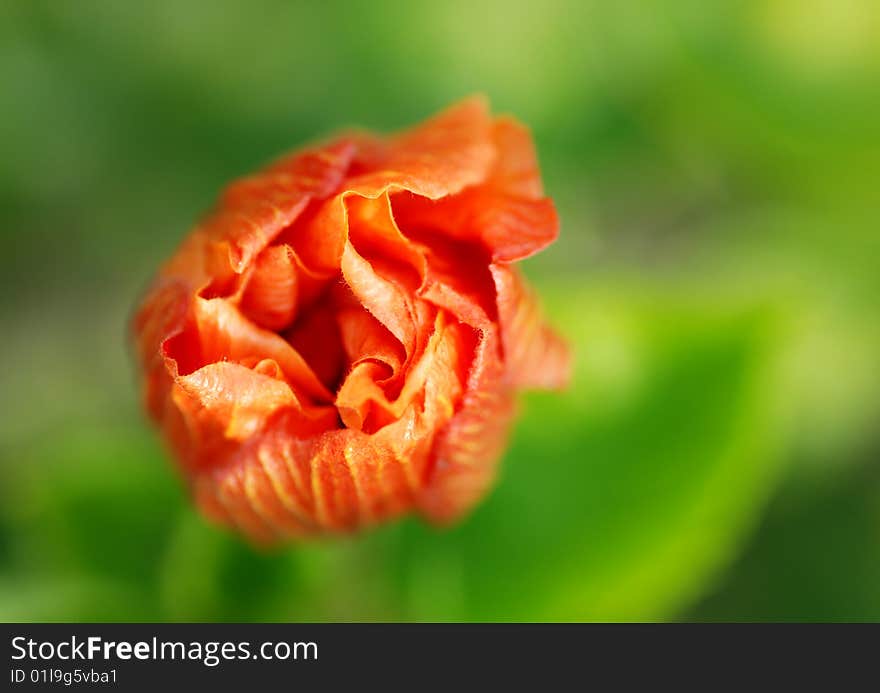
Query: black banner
pixel 395 656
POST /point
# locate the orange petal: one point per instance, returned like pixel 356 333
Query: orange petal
pixel 457 279
pixel 364 338
pixel 319 236
pixel 161 317
pixel 277 485
pixel 467 451
pixel 225 334
pixel 316 338
pixel 515 171
pixel 534 354
pixel 440 157
pixel 388 301
pixel 254 210
pixel 509 227
pixel 361 402
pixel 374 233
pixel 506 212
pixel 435 379
pixel 230 400
pixel 270 295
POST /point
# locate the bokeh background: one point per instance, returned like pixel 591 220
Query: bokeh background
pixel 717 171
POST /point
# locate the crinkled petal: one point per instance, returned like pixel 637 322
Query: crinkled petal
pixel 270 295
pixel 534 354
pixel 435 378
pixel 254 210
pixel 225 334
pixel 440 157
pixel 467 451
pixel 509 227
pixel 222 405
pixel 316 338
pixel 515 171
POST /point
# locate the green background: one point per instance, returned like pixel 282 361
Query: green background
pixel 716 167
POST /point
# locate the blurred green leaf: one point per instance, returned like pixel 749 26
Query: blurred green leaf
pixel 95 503
pixel 619 499
pixel 817 558
pixel 74 598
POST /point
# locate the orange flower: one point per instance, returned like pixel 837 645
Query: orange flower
pixel 340 341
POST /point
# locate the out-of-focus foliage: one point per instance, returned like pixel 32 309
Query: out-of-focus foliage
pixel 716 169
